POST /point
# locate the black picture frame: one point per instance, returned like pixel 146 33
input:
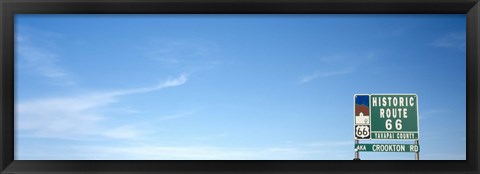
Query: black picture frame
pixel 8 9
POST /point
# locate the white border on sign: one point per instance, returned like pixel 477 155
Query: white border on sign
pixel 370 112
pixel 418 120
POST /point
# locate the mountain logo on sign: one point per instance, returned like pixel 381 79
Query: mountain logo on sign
pixel 362 109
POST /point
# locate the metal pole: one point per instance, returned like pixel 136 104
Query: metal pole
pixel 357 155
pixel 417 154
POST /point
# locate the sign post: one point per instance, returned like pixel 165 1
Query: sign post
pixel 386 117
pixel 417 154
pixel 357 154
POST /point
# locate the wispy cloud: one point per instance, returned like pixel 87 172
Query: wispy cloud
pixel 20 38
pixel 431 113
pixel 443 156
pixel 44 63
pixel 37 58
pixel 395 31
pixel 122 132
pixel 211 137
pixel 316 75
pixel 184 53
pixel 400 30
pixel 339 64
pixel 156 150
pixel 454 40
pixel 175 116
pixel 330 143
pixel 152 152
pixel 169 83
pixel 66 117
pixel 332 58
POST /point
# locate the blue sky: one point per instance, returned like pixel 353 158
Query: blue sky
pixel 230 86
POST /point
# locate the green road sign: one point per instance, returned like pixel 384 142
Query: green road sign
pixel 387 147
pixel 394 116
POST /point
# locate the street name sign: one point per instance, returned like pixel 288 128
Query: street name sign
pixel 387 147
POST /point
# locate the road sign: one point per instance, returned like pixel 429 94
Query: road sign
pixel 386 117
pixel 387 147
pixel 362 131
pixel 394 116
pixel 362 116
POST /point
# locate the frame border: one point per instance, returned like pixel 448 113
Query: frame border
pixel 8 9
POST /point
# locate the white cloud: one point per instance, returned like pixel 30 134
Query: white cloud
pixel 169 83
pixel 42 62
pixel 174 82
pixel 213 137
pixel 155 149
pixel 152 152
pixel 371 56
pixel 66 117
pixel 175 116
pixel 311 77
pixel 332 58
pixel 395 31
pixel 190 55
pixel 122 132
pixel 330 143
pixel 455 40
pixel 431 113
pixel 36 57
pixel 340 64
pixel 182 52
pixel 444 156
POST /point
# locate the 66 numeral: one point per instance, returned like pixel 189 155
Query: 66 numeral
pixel 398 124
pixel 362 131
